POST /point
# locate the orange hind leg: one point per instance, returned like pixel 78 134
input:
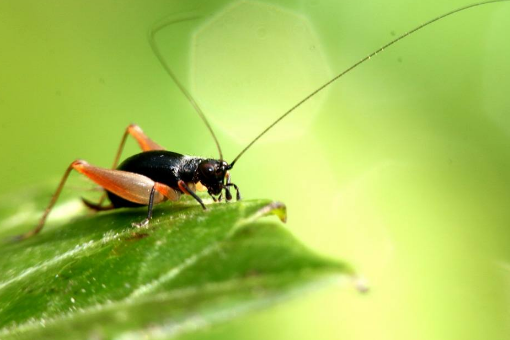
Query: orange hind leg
pixel 130 186
pixel 145 143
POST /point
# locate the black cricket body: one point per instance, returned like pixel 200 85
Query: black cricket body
pixel 170 167
pixel 161 166
pixel 157 175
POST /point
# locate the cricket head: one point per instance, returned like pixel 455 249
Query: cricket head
pixel 214 175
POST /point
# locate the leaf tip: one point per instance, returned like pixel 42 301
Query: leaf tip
pixel 276 208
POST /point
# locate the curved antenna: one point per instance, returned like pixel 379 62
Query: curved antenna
pixel 361 61
pixel 158 26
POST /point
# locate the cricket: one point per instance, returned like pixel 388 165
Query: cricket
pixel 156 175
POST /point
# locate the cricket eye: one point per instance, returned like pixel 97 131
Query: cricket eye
pixel 207 169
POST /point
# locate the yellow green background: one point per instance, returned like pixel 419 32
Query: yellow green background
pixel 402 167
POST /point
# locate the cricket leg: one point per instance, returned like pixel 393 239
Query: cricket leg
pixel 145 143
pixel 238 194
pixel 130 186
pixel 97 206
pixel 54 198
pixel 187 190
pixel 229 183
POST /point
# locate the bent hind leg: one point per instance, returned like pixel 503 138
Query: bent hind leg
pixel 145 143
pixel 128 185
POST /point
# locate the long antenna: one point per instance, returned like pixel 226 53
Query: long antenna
pixel 373 54
pixel 158 26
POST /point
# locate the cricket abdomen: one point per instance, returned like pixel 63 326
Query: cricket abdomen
pixel 160 166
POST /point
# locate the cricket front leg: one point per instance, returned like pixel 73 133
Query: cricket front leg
pixel 187 190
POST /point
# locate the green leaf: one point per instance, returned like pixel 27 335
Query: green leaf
pixel 96 276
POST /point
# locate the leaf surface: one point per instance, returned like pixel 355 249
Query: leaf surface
pixel 96 276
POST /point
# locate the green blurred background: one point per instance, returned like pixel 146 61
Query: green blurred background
pixel 402 168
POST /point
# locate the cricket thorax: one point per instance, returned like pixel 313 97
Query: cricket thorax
pixel 187 168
